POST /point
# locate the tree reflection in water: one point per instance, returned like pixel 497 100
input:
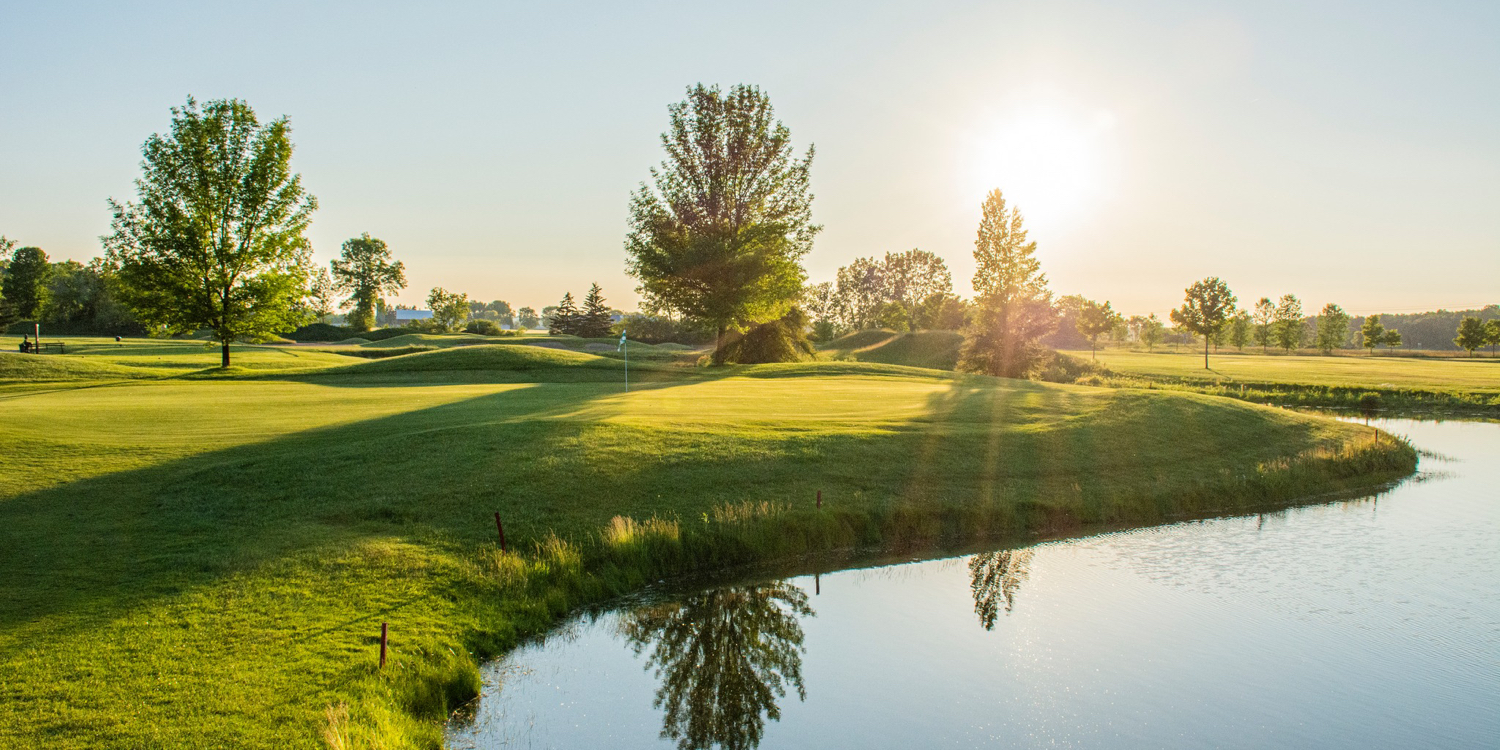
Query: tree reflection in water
pixel 724 657
pixel 995 577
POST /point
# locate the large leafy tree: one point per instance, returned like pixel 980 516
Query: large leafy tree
pixel 1264 317
pixel 1206 308
pixel 216 239
pixel 1492 335
pixel 1095 319
pixel 1333 328
pixel 1287 327
pixel 527 318
pixel 449 309
pixel 1014 306
pixel 915 275
pixel 1471 334
pixel 365 272
pixel 26 281
pixel 720 234
pixel 859 292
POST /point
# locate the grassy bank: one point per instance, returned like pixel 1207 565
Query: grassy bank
pixel 206 560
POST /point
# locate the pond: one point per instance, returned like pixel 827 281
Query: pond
pixel 1356 624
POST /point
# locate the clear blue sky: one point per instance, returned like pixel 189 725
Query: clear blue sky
pixel 1341 151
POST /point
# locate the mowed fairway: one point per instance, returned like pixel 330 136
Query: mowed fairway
pixel 1476 375
pixel 206 562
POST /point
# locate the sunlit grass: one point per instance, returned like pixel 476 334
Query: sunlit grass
pixel 207 562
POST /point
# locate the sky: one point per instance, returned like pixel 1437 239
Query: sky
pixel 1345 152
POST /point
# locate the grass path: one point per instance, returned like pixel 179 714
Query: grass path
pixel 195 562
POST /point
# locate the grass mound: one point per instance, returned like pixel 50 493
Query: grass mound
pixel 861 339
pixel 34 368
pixel 355 341
pixel 534 361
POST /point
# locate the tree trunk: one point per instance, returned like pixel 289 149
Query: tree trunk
pixel 226 354
pixel 719 345
pixel 1205 352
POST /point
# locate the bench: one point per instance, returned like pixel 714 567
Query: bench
pixel 45 347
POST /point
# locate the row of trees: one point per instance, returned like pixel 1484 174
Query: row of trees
pixel 592 321
pixel 68 295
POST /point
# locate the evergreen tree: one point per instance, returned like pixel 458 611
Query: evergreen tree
pixel 1333 328
pixel 564 320
pixel 1372 333
pixel 594 321
pixel 1014 307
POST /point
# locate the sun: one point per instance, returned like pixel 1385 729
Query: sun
pixel 1051 164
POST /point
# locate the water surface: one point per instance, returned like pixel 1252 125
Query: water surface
pixel 1372 623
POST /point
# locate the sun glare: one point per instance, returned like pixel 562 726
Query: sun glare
pixel 1052 165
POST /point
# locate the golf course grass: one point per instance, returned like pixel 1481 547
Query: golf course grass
pixel 204 559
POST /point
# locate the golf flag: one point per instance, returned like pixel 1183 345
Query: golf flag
pixel 621 348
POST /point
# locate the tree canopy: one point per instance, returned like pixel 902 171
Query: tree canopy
pixel 1471 335
pixel 720 234
pixel 216 239
pixel 1333 328
pixel 365 272
pixel 1095 319
pixel 1287 328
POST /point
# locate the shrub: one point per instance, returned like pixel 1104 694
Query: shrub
pixel 321 332
pixel 484 328
pixel 1056 367
pixel 780 340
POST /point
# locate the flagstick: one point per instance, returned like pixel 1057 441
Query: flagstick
pixel 626 348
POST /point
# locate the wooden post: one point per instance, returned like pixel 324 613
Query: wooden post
pixel 817 586
pixel 383 633
pixel 499 527
pixel 820 498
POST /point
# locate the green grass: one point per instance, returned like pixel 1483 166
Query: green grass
pixel 205 561
pixel 1480 375
pixel 932 349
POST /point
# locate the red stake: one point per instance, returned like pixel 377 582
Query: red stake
pixel 383 633
pixel 820 498
pixel 500 528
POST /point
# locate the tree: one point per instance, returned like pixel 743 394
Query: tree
pixel 1333 328
pixel 1264 317
pixel 217 238
pixel 364 271
pixel 1392 338
pixel 860 292
pixel 1095 319
pixel 527 318
pixel 449 310
pixel 1205 310
pixel 1014 305
pixel 1287 328
pixel 564 318
pixel 721 236
pixel 894 316
pixel 25 286
pixel 940 312
pixel 1371 333
pixel 320 294
pixel 1492 335
pixel 594 321
pixel 503 312
pixel 1240 329
pixel 1471 335
pixel 913 276
pixel 1152 331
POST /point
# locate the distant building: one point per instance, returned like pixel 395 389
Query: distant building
pixel 407 317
